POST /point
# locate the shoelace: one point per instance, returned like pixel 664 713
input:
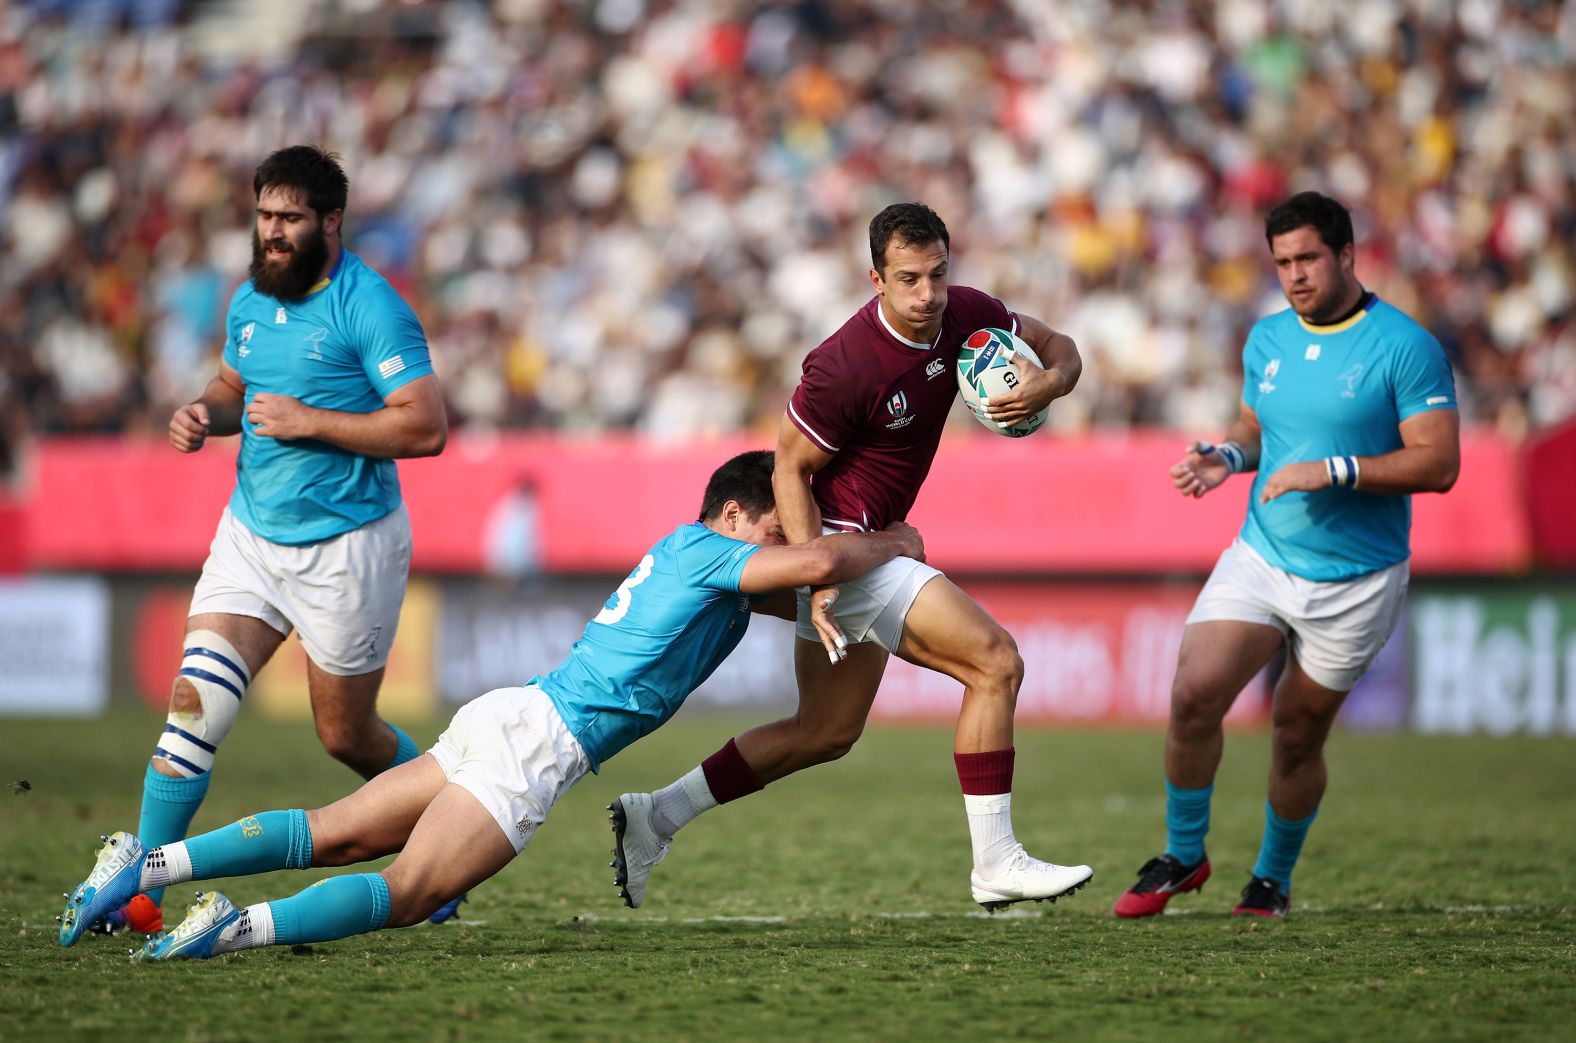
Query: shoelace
pixel 1156 871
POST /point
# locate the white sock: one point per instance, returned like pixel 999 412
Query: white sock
pixel 252 930
pixel 675 804
pixel 166 865
pixel 990 827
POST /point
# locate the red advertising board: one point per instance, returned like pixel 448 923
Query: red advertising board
pixel 1100 504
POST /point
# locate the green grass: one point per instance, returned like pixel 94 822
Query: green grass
pixel 1434 901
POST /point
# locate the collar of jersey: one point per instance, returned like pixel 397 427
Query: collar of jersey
pixel 1368 301
pixel 916 345
pixel 322 284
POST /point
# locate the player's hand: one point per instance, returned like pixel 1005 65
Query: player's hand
pixel 189 427
pixel 1307 477
pixel 912 542
pixel 1035 390
pixel 1199 471
pixel 279 416
pixel 823 603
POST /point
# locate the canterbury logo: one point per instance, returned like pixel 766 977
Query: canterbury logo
pixel 935 369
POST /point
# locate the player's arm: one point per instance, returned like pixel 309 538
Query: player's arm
pixel 1204 465
pixel 797 460
pixel 1428 461
pixel 828 559
pixel 1038 388
pixel 412 422
pixel 216 412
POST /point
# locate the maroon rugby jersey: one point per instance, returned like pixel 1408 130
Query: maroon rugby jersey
pixel 878 404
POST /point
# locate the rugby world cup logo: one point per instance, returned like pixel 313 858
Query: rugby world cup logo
pixel 897 405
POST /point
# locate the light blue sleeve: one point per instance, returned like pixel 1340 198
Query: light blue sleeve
pixel 1421 376
pixel 388 338
pixel 1252 366
pixel 715 562
pixel 232 328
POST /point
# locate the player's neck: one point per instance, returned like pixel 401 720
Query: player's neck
pixel 903 330
pixel 331 262
pixel 1351 302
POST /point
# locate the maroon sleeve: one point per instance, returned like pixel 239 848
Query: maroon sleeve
pixel 823 406
pixel 980 309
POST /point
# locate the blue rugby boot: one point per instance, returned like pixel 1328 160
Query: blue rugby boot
pixel 195 936
pixel 449 910
pixel 115 876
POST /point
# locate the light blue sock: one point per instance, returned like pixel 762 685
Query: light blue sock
pixel 264 842
pixel 1187 822
pixel 1282 844
pixel 405 751
pixel 334 908
pixel 168 804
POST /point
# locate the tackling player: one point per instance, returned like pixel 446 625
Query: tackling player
pixel 460 813
pixel 1348 407
pixel 855 445
pixel 326 378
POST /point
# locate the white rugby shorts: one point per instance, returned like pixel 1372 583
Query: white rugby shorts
pixel 872 607
pixel 1335 628
pixel 510 750
pixel 342 594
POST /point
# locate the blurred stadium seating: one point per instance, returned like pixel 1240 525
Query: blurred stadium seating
pixel 638 214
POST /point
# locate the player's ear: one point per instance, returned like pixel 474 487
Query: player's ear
pixel 332 222
pixel 875 280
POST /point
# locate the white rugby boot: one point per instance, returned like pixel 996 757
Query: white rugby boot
pixel 1022 878
pixel 637 846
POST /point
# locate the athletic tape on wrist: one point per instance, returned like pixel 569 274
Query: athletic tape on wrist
pixel 1232 455
pixel 1342 471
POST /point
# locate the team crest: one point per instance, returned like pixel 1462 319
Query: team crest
pixel 1349 378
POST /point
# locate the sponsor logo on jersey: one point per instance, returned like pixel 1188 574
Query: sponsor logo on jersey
pixel 1349 378
pixel 388 367
pixel 934 369
pixel 1311 353
pixel 1268 383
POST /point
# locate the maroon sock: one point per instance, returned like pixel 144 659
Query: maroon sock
pixel 729 775
pixel 985 774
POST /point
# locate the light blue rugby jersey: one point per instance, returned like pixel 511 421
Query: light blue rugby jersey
pixel 656 640
pixel 346 346
pixel 1338 390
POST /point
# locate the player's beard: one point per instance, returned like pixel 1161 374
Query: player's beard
pixel 300 272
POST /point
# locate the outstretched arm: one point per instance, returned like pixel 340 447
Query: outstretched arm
pixel 412 422
pixel 829 559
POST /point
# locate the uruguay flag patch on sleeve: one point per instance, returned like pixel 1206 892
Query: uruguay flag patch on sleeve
pixel 388 367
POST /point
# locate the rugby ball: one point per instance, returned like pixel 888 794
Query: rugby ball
pixel 985 370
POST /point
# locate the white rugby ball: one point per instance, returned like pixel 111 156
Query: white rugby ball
pixel 985 370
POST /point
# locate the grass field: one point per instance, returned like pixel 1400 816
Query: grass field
pixel 1435 900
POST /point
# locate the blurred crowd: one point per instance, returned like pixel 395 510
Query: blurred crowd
pixel 640 214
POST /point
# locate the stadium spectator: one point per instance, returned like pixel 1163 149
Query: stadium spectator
pixel 674 191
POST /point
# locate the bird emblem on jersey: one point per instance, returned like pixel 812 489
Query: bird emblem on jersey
pixel 314 341
pixel 1349 378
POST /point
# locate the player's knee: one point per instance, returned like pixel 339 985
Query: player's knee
pixel 410 901
pixel 996 667
pixel 342 742
pixel 1298 740
pixel 820 745
pixel 205 701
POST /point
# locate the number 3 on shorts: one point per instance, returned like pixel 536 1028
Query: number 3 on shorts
pixel 623 595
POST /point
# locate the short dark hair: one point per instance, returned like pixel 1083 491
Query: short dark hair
pixel 312 171
pixel 746 478
pixel 912 223
pixel 1324 215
